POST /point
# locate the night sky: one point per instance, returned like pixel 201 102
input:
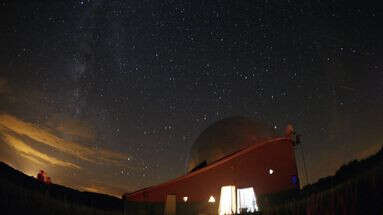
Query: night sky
pixel 109 96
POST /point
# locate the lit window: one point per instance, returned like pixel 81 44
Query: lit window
pixel 246 200
pixel 270 171
pixel 185 198
pixel 227 203
pixel 211 199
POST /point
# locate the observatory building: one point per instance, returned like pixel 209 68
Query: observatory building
pixel 231 163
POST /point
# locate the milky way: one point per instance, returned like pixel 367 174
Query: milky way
pixel 109 96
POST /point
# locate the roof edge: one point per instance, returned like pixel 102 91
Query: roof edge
pixel 213 164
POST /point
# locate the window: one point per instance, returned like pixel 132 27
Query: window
pixel 227 204
pixel 246 201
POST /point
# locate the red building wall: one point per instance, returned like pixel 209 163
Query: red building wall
pixel 246 168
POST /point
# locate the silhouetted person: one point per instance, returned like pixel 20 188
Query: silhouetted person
pixel 41 175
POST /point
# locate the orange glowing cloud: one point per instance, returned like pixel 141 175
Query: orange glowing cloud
pixel 30 158
pixel 91 189
pixel 34 155
pixel 71 129
pixel 113 191
pixel 47 137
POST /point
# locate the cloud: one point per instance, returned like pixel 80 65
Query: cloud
pixel 30 158
pixel 34 155
pixel 48 137
pixel 92 189
pixel 71 129
pixel 102 188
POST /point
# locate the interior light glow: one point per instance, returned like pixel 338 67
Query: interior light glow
pixel 227 202
pixel 271 171
pixel 246 200
pixel 185 198
pixel 211 199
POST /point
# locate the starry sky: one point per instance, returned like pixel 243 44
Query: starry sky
pixel 109 96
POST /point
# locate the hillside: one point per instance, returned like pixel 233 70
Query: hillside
pixel 356 188
pixel 20 193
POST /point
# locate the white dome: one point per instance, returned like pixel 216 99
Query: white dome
pixel 226 137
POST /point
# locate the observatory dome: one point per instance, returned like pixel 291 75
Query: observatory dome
pixel 226 137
